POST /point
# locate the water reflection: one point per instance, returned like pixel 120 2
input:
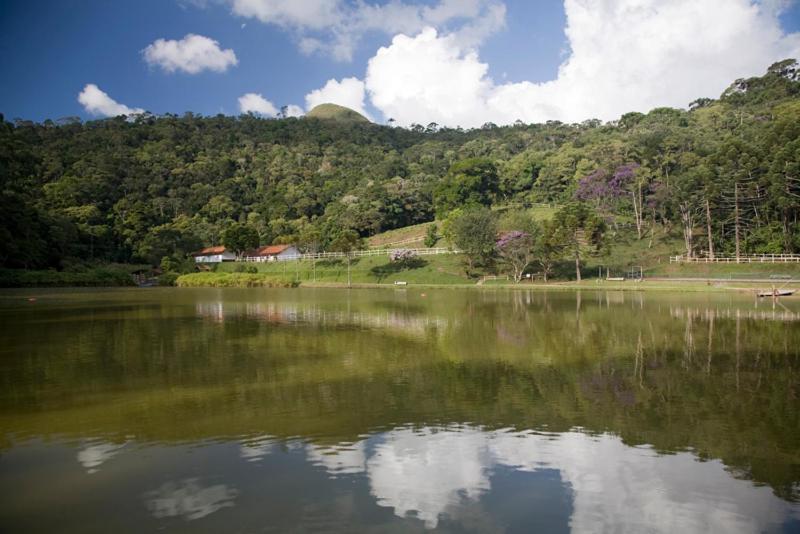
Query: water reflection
pixel 94 454
pixel 254 450
pixel 372 409
pixel 342 459
pixel 278 313
pixel 188 499
pixel 434 473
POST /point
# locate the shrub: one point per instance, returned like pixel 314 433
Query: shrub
pixel 402 255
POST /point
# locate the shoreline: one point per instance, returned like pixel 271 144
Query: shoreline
pixel 660 284
pixel 252 281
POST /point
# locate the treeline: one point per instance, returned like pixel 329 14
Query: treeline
pixel 725 175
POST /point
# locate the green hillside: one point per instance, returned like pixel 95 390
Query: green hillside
pixel 722 174
pixel 336 112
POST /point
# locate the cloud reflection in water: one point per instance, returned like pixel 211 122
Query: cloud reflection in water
pixel 432 473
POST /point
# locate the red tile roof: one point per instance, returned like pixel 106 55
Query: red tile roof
pixel 270 250
pixel 210 251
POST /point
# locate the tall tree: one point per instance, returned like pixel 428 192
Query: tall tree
pixel 582 231
pixel 474 232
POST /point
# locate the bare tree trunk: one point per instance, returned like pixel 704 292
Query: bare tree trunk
pixel 787 242
pixel 688 226
pixel 637 209
pixel 578 266
pixel 736 217
pixel 708 229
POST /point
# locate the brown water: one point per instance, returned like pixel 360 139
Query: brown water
pixel 398 410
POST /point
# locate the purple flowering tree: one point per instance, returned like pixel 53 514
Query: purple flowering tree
pixel 600 188
pixel 515 248
pixel 604 189
pixel 402 255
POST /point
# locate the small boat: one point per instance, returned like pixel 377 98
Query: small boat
pixel 776 293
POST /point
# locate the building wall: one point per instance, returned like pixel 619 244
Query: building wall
pixel 216 258
pixel 288 254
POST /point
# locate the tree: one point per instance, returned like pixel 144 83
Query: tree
pixel 471 182
pixel 548 246
pixel 581 230
pixel 431 236
pixel 515 248
pixel 474 232
pixel 239 237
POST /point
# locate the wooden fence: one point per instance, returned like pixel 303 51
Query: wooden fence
pixel 751 258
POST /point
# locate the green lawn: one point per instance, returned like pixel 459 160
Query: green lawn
pixel 401 234
pixel 625 253
pixel 440 269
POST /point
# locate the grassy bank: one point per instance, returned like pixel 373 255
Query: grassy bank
pixel 107 276
pixel 446 271
pixel 233 280
pixel 442 269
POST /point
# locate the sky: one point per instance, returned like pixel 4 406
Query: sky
pixel 452 62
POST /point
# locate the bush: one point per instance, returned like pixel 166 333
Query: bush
pixel 96 277
pixel 168 279
pixel 245 268
pixel 402 255
pixel 233 280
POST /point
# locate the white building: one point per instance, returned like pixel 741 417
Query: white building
pixel 213 255
pixel 274 253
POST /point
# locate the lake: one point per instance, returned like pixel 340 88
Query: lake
pixel 395 410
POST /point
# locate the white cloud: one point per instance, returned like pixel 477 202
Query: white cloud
pixel 349 93
pixel 192 54
pixel 626 55
pixel 97 102
pixel 335 27
pixel 294 111
pixel 255 103
pixel 428 79
pixel 312 14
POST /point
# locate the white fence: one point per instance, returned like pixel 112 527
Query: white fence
pixel 354 254
pixel 753 258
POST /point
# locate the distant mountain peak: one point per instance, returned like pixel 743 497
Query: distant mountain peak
pixel 336 112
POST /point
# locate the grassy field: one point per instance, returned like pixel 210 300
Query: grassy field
pixel 447 270
pixel 401 234
pixel 442 269
pixel 539 213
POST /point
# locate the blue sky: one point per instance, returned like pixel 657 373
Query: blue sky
pixel 49 51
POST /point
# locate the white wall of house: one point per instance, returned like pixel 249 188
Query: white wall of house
pixel 288 254
pixel 215 258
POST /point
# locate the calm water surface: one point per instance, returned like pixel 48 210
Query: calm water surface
pixel 397 410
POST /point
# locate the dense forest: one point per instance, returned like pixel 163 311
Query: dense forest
pixel 724 175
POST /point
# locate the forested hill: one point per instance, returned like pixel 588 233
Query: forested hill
pixel 144 188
